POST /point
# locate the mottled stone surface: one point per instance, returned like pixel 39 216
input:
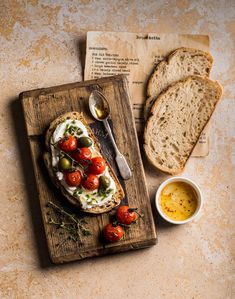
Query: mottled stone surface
pixel 39 47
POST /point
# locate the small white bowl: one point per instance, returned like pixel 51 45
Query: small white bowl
pixel 193 185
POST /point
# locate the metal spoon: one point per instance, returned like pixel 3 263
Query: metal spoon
pixel 100 110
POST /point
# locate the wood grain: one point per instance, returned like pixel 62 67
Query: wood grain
pixel 44 105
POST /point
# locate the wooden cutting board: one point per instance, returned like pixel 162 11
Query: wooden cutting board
pixel 42 106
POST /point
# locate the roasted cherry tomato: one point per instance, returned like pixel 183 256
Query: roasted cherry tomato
pixel 97 165
pixel 82 155
pixel 91 182
pixel 113 233
pixel 74 178
pixel 68 144
pixel 64 164
pixel 126 215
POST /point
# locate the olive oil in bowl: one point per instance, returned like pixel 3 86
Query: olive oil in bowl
pixel 178 200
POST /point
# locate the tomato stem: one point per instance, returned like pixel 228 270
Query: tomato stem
pixel 132 210
pixel 73 228
pixel 68 156
pixel 115 223
pixel 140 215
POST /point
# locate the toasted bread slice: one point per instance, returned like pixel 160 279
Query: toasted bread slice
pixel 98 209
pixel 177 120
pixel 181 63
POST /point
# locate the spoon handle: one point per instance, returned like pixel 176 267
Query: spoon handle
pixel 120 159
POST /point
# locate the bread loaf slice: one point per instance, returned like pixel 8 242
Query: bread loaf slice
pixel 181 63
pixel 177 120
pixel 98 209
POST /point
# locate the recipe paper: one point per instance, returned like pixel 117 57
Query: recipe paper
pixel 136 55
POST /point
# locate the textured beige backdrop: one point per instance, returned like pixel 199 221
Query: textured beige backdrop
pixel 39 47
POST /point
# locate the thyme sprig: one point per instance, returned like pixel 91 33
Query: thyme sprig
pixel 74 226
pixel 141 216
pixel 127 226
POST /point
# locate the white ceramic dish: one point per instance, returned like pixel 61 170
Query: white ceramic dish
pixel 193 185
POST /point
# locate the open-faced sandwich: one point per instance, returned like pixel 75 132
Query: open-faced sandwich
pixel 77 168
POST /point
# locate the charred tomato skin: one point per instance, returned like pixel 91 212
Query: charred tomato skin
pixel 83 156
pixel 113 233
pixel 91 182
pixel 73 179
pixel 126 215
pixel 97 166
pixel 68 144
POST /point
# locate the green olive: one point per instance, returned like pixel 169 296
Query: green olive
pixel 64 164
pixel 84 142
pixel 104 181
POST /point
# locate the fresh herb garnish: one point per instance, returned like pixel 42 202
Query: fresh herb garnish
pixel 77 192
pixel 69 223
pixel 104 192
pixel 73 130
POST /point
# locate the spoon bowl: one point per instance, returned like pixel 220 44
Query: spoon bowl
pixel 99 106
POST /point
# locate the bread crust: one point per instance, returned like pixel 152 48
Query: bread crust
pixel 47 156
pixel 154 108
pixel 164 63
